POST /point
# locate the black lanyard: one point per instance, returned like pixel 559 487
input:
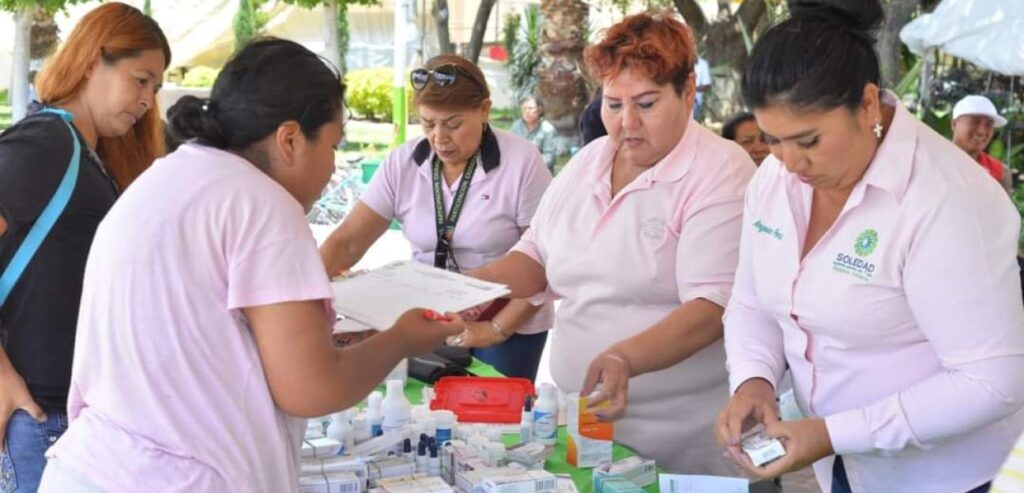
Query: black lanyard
pixel 443 256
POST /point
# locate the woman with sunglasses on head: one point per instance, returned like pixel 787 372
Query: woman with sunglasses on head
pixel 489 183
pixel 638 237
pixel 877 263
pixel 205 340
pixel 61 169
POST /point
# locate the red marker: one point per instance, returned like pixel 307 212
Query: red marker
pixel 435 317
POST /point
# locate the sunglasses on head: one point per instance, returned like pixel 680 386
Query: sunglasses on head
pixel 444 76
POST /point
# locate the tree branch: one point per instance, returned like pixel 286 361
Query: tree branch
pixel 441 14
pixel 693 15
pixel 476 41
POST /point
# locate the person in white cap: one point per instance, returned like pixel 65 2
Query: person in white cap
pixel 974 122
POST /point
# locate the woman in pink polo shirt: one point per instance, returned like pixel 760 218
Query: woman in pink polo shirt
pixel 464 194
pixel 877 263
pixel 204 330
pixel 639 236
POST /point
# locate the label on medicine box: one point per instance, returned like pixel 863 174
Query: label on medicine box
pixel 417 483
pixel 641 472
pixel 619 486
pixel 589 442
pixel 330 483
pixel 760 447
pixel 520 482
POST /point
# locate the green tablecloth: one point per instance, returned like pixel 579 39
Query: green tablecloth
pixel 556 464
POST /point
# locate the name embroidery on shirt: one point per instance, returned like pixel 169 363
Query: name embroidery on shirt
pixel 855 265
pixel 768 230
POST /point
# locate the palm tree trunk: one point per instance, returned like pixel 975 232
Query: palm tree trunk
pixel 561 82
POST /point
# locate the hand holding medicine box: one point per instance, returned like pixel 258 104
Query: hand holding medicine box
pixel 590 441
pixel 760 447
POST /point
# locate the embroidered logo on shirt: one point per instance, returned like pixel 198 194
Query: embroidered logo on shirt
pixel 854 265
pixel 654 228
pixel 866 242
pixel 768 230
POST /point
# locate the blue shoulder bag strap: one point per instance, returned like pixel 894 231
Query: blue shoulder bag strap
pixel 47 218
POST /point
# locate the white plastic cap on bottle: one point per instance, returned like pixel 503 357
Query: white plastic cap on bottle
pixel 396 387
pixel 445 418
pixel 374 400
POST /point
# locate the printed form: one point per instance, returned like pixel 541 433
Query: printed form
pixel 376 298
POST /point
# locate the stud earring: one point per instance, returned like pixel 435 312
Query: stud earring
pixel 877 129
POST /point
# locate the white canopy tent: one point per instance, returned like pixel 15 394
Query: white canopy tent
pixel 987 33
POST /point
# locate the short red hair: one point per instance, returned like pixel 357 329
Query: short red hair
pixel 657 45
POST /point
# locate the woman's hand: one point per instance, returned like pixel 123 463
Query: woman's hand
pixel 612 370
pixel 424 330
pixel 752 404
pixel 14 396
pixel 478 335
pixel 806 441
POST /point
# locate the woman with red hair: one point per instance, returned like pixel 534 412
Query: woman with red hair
pixel 61 169
pixel 639 236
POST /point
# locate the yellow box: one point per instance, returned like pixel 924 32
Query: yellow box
pixel 589 441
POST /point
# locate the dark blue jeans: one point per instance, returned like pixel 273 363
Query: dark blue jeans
pixel 518 356
pixel 840 483
pixel 22 461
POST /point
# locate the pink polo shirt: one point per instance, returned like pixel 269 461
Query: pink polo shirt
pixel 622 264
pixel 168 392
pixel 502 199
pixel 903 327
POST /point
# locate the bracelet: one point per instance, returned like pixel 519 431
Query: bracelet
pixel 498 329
pixel 620 359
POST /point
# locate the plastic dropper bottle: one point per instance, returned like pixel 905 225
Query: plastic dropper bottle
pixel 526 421
pixel 373 410
pixel 395 410
pixel 341 430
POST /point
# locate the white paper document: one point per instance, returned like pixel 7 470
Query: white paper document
pixel 376 298
pixel 675 483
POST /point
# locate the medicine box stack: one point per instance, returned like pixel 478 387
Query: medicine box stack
pixel 417 483
pixel 589 441
pixel 359 454
pixel 330 483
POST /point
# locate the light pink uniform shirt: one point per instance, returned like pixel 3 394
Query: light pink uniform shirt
pixel 167 390
pixel 622 264
pixel 503 196
pixel 903 327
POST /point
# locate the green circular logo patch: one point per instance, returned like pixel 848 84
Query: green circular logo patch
pixel 866 242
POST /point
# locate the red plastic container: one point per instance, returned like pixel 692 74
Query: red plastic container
pixel 482 399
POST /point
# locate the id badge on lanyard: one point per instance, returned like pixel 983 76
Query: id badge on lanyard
pixel 444 257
